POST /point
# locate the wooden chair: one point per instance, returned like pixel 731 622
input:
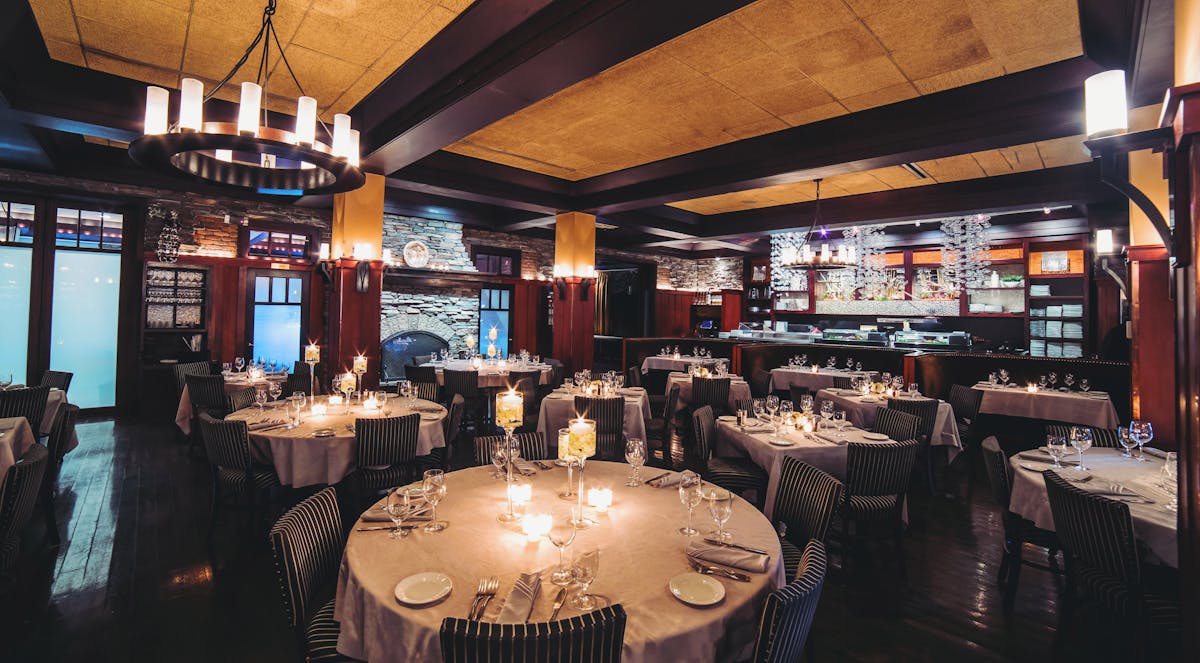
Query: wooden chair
pixel 18 496
pixel 28 402
pixel 307 544
pixel 1102 438
pixel 421 374
pixel 843 382
pixel 805 502
pixel 787 616
pixel 660 429
pixel 712 392
pixel 56 446
pixel 734 474
pixel 234 473
pixel 595 637
pixel 386 449
pixel 877 477
pixel 466 384
pixel 57 380
pixel 925 409
pixel 609 415
pixel 533 447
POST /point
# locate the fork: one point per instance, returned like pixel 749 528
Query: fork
pixel 491 585
pixel 478 595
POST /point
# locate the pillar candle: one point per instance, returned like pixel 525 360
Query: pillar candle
pixel 360 364
pixel 312 353
pixel 582 442
pixel 510 409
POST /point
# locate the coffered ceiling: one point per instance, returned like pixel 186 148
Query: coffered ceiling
pixel 339 49
pixel 774 64
pixel 989 163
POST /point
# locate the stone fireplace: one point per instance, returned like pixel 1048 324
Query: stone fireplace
pixel 444 316
pixel 398 350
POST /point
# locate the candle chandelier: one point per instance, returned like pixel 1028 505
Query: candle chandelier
pixel 796 250
pixel 248 153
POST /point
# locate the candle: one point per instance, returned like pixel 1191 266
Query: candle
pixel 889 392
pixel 312 354
pixel 535 526
pixel 360 364
pixel 333 400
pixel 510 409
pixel 815 368
pixel 371 404
pixel 319 409
pixel 520 493
pixel 676 355
pixel 600 499
pixel 808 424
pixel 493 334
pixel 1031 388
pixel 347 382
pixel 582 440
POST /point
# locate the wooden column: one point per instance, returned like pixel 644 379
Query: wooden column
pixel 574 290
pixel 1152 348
pixel 354 302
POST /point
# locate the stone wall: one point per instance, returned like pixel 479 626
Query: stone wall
pixel 537 254
pixel 444 239
pixel 451 313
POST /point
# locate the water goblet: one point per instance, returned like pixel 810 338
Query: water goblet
pixel 274 389
pixel 433 485
pixel 6 381
pixel 1004 376
pixel 759 408
pixel 827 411
pixel 226 368
pixel 1142 432
pixel 583 571
pixel 561 534
pixel 839 419
pixel 240 363
pixel 772 405
pixel 498 449
pixel 993 378
pixel 1069 380
pixel 858 366
pixel 260 399
pixel 831 362
pixel 635 455
pixel 397 508
pixel 885 378
pixel 786 408
pixel 720 507
pixel 913 390
pixel 806 403
pixel 1127 442
pixel 1052 379
pixel 1081 440
pixel 1042 381
pixel 1085 385
pixel 1056 448
pixel 849 363
pixel 803 360
pixel 690 495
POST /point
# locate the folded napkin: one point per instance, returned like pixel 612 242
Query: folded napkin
pixel 836 438
pixel 524 467
pixel 519 603
pixel 726 556
pixel 420 513
pixel 1155 453
pixel 1040 457
pixel 669 480
pixel 266 423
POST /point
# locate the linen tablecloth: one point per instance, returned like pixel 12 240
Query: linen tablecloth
pixel 1070 407
pixel 490 377
pixel 303 460
pixel 234 383
pixel 785 378
pixel 558 408
pixel 738 390
pixel 1153 524
pixel 660 363
pixel 640 551
pixel 862 411
pixel 16 438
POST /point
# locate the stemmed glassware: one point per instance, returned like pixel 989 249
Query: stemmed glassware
pixel 1042 382
pixel 1170 477
pixel 1085 385
pixel 806 403
pixel 583 571
pixel 499 453
pixel 839 419
pixel 1056 448
pixel 1142 432
pixel 635 455
pixel 260 399
pixel 1069 380
pixel 6 381
pixel 759 408
pixel 1052 379
pixel 803 360
pixel 690 495
pixel 399 506
pixel 993 378
pixel 720 507
pixel 1004 376
pixel 858 366
pixel 1081 439
pixel 827 411
pixel 913 390
pixel 772 406
pixel 239 363
pixel 405 389
pixel 433 486
pixel 849 363
pixel 275 389
pixel 561 534
pixel 1125 439
pixel 831 362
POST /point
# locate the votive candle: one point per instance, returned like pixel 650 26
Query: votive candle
pixel 319 409
pixel 535 526
pixel 360 364
pixel 510 409
pixel 333 400
pixel 600 499
pixel 312 353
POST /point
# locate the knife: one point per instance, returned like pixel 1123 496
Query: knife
pixel 719 571
pixel 738 546
pixel 381 528
pixel 558 603
pixel 652 480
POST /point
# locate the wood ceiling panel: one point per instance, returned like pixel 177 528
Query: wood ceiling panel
pixel 788 63
pixel 341 50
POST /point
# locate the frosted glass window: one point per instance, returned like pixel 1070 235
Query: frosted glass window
pixel 15 269
pixel 277 334
pixel 494 312
pixel 278 290
pixel 83 334
pixel 295 293
pixel 262 289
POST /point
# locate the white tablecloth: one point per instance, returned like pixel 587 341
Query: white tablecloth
pixel 233 383
pixel 738 390
pixel 1152 523
pixel 16 438
pixel 785 378
pixel 660 363
pixel 639 552
pixel 303 460
pixel 862 414
pixel 1071 407
pixel 754 443
pixel 490 376
pixel 558 408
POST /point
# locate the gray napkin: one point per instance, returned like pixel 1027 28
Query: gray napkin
pixel 266 423
pixel 1043 458
pixel 519 603
pixel 733 557
pixel 669 481
pixel 524 467
pixel 420 514
pixel 836 438
pixel 1156 453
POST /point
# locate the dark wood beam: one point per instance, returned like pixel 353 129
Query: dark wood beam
pixel 456 176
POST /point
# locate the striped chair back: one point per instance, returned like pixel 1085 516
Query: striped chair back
pixel 746 404
pixel 788 614
pixel 307 543
pixel 28 402
pixel 18 495
pixel 965 402
pixel 713 392
pixel 999 472
pixel 609 414
pixel 797 392
pixel 240 399
pixel 806 500
pixel 226 442
pixel 1107 438
pixel 181 371
pixel 296 382
pixel 61 434
pixel 387 441
pixel 843 382
pixel 533 447
pixel 207 393
pixel 1096 534
pixel 57 380
pixel 925 409
pixel 453 421
pixel 461 382
pixel 671 405
pixel 633 377
pixel 427 390
pixel 897 425
pixel 595 637
pixel 880 468
pixel 421 373
pixel 704 430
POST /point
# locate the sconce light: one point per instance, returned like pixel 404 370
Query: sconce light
pixel 564 275
pixel 1104 241
pixel 1105 109
pixel 323 252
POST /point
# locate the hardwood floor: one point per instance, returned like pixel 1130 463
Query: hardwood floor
pixel 132 580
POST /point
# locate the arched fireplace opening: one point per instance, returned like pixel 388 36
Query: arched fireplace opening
pixel 399 349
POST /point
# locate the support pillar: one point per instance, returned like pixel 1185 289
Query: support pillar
pixel 1152 346
pixel 574 290
pixel 357 281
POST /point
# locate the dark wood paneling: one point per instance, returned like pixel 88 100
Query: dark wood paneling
pixel 527 302
pixel 354 320
pixel 1152 347
pixel 731 309
pixel 673 313
pixel 574 327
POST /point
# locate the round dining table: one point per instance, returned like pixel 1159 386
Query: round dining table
pixel 301 458
pixel 492 375
pixel 640 551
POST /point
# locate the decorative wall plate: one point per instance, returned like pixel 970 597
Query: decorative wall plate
pixel 416 254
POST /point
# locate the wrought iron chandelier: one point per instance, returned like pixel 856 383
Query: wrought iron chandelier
pixel 248 153
pixel 796 250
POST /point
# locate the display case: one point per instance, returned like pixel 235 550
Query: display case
pixel 854 337
pixel 791 301
pixel 1003 293
pixel 176 298
pixel 955 341
pixel 1058 290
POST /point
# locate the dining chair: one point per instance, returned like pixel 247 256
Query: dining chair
pixel 925 409
pixel 1102 438
pixel 843 382
pixel 1103 566
pixel 734 474
pixel 660 429
pixel 899 426
pixel 61 433
pixel 760 383
pixel 609 415
pixel 595 637
pixel 18 496
pixel 385 450
pixel 57 380
pixel 28 402
pixel 713 392
pixel 296 382
pixel 307 544
pixel 207 394
pixel 877 477
pixel 240 399
pixel 420 374
pixel 805 502
pixel 633 377
pixel 787 616
pixel 533 447
pixel 181 371
pixel 797 392
pixel 1017 530
pixel 234 473
pixel 466 384
pixel 427 390
pixel 964 403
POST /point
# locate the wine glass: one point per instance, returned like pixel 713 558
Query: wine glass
pixel 690 495
pixel 1085 385
pixel 1042 382
pixel 993 378
pixel 803 360
pixel 1142 432
pixel 831 362
pixel 849 363
pixel 885 378
pixel 806 403
pixel 839 419
pixel 226 368
pixel 260 399
pixel 1052 379
pixel 827 411
pixel 786 408
pixel 858 366
pixel 583 571
pixel 561 534
pixel 1069 380
pixel 275 389
pixel 759 408
pixel 1056 448
pixel 635 455
pixel 1004 376
pixel 1081 439
pixel 397 508
pixel 913 390
pixel 239 363
pixel 1125 439
pixel 434 487
pixel 720 507
pixel 1170 476
pixel 772 406
pixel 499 453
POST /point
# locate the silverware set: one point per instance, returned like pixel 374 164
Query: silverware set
pixel 738 546
pixel 718 571
pixel 483 597
pixel 559 600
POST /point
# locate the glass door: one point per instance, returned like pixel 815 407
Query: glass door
pixel 16 270
pixel 495 306
pixel 277 305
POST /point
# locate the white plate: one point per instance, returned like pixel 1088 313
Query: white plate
pixel 875 436
pixel 726 417
pixel 779 443
pixel 695 589
pixel 423 588
pixel 869 399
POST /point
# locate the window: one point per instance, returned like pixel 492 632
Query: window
pixel 494 313
pixel 16 223
pixel 88 229
pixel 276 316
pixel 503 262
pixel 278 244
pixel 16 268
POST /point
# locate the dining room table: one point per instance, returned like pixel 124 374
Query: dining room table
pixel 861 411
pixel 558 409
pixel 814 378
pixel 492 374
pixel 1087 408
pixel 739 389
pixel 55 399
pixel 1109 473
pixel 640 552
pixel 16 437
pixel 323 449
pixel 234 382
pixel 680 363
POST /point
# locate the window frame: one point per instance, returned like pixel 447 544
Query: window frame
pixel 312 233
pixel 252 275
pixel 499 252
pixel 509 310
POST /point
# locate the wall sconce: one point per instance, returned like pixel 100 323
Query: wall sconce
pixel 323 252
pixel 1104 241
pixel 564 275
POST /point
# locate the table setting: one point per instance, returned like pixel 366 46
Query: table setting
pixel 861 411
pixel 739 389
pixel 1044 399
pixel 558 408
pixel 670 359
pixel 815 377
pixel 493 373
pixel 235 381
pixel 688 598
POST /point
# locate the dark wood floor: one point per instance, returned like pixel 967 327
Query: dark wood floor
pixel 133 581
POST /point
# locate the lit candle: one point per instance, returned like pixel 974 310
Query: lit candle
pixel 520 493
pixel 676 355
pixel 807 424
pixel 889 392
pixel 493 334
pixel 347 382
pixel 371 404
pixel 319 409
pixel 600 499
pixel 510 409
pixel 333 400
pixel 815 368
pixel 582 440
pixel 1031 388
pixel 360 364
pixel 312 353
pixel 535 526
